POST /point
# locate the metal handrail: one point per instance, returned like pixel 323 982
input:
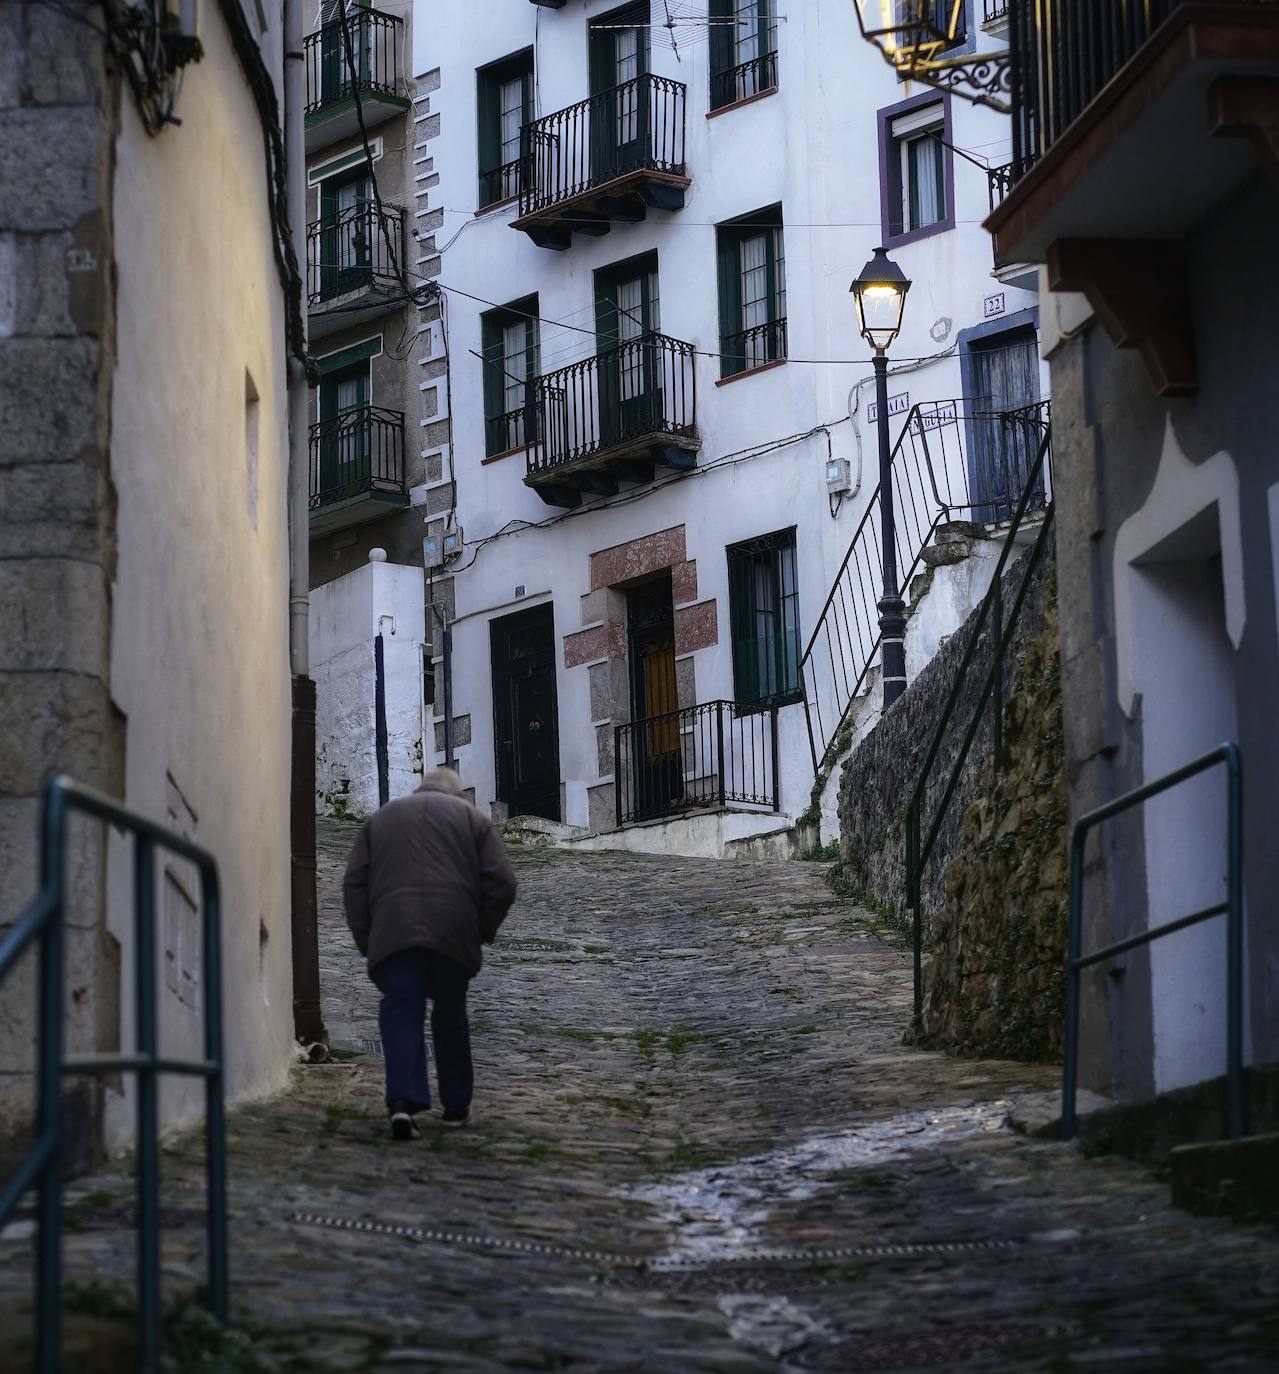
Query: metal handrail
pixel 992 609
pixel 357 450
pixel 1228 754
pixel 747 79
pixel 368 236
pixel 931 486
pixel 42 1168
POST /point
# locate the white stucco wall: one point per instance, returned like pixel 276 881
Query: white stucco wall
pixel 199 651
pixel 346 617
pixel 813 147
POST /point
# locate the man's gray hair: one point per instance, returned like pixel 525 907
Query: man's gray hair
pixel 445 779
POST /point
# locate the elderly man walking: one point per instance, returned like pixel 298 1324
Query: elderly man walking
pixel 428 883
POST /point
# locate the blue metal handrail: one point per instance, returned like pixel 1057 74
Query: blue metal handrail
pixel 42 1167
pixel 1236 1106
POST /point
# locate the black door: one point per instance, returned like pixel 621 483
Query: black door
pixel 619 130
pixel 1005 377
pixel 525 717
pixel 656 766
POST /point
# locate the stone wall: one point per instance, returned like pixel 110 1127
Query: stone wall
pixel 880 775
pixel 995 977
pixel 57 530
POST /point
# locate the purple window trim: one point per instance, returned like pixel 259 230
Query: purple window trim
pixel 890 165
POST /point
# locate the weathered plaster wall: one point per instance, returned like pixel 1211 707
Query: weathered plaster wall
pixel 994 982
pixel 57 107
pixel 882 772
pixel 199 652
pixel 346 617
pixel 1131 714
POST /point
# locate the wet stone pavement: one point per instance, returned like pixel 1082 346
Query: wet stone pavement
pixel 698 1145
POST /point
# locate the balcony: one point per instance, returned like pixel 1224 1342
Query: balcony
pixel 1104 95
pixel 364 65
pixel 357 468
pixel 744 82
pixel 615 417
pixel 1132 124
pixel 994 16
pixel 701 758
pixel 608 159
pixel 355 264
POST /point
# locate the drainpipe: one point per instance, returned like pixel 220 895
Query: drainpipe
pixel 308 1025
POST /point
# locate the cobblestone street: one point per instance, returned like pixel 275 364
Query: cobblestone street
pixel 697 1145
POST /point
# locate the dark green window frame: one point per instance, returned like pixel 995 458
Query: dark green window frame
pixel 507 427
pixel 744 345
pixel 734 79
pixel 500 173
pixel 763 599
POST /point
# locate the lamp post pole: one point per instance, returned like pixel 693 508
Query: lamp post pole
pixel 892 609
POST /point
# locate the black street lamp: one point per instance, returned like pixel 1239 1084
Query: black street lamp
pixel 880 293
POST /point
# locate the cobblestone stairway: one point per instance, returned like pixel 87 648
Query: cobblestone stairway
pixel 698 1146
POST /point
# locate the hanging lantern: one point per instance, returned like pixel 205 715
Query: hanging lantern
pixel 918 38
pixel 910 32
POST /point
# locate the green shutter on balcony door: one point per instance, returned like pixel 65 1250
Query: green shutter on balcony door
pixel 489 120
pixel 730 300
pixel 494 362
pixel 722 48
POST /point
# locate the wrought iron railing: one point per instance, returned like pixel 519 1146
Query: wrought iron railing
pixel 1001 180
pixel 952 460
pixel 711 755
pixel 990 631
pixel 747 348
pixel 42 925
pixel 370 49
pixel 645 386
pixel 500 183
pixel 1231 907
pixel 994 10
pixel 1062 52
pixel 361 450
pixel 355 249
pixel 511 429
pixel 744 80
pixel 635 127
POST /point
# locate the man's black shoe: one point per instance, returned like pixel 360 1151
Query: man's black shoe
pixel 456 1116
pixel 403 1127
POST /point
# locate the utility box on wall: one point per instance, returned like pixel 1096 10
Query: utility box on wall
pixel 347 615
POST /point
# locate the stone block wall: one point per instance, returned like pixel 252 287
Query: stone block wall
pixel 880 775
pixel 57 528
pixel 995 976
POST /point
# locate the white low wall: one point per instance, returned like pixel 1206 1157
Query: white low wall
pixel 346 617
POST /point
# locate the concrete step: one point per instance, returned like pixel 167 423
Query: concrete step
pixel 1238 1178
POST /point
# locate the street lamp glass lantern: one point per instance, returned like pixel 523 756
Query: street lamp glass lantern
pixel 880 293
pixel 908 32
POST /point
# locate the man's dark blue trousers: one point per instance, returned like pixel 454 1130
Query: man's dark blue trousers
pixel 407 980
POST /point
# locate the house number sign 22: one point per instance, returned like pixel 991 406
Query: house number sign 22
pixel 993 305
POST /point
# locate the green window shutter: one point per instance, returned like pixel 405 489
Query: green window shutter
pixel 606 332
pixel 601 60
pixel 488 132
pixel 730 300
pixel 721 45
pixel 494 361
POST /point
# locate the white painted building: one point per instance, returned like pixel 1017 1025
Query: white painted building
pixel 662 441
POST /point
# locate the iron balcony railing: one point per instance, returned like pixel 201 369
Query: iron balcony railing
pixel 714 754
pixel 364 61
pixel 358 451
pixel 953 460
pixel 744 80
pixel 1062 52
pixel 358 248
pixel 644 387
pixel 42 925
pixel 500 183
pixel 638 126
pixel 753 347
pixel 994 10
pixel 1231 907
pixel 1001 180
